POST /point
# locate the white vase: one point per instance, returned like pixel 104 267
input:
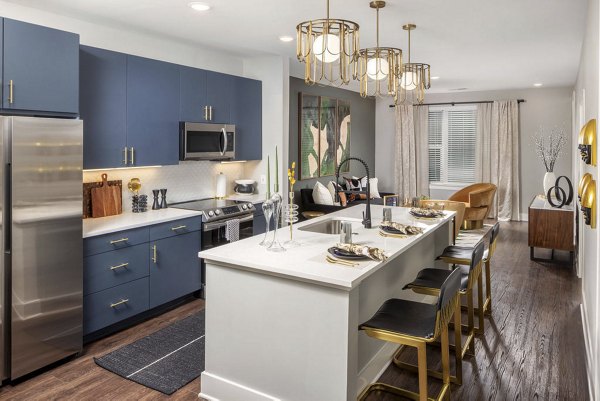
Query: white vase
pixel 549 181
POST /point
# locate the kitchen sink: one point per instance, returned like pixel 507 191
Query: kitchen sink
pixel 329 226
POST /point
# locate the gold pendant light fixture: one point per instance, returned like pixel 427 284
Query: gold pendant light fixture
pixel 379 66
pixel 415 77
pixel 329 48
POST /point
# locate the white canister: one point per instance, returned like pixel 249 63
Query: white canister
pixel 221 186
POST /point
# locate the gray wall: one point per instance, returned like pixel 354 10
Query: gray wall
pixel 547 107
pixel 362 137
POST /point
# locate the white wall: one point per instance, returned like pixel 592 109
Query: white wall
pixel 586 107
pixel 547 107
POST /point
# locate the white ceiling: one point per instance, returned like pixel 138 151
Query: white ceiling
pixel 473 44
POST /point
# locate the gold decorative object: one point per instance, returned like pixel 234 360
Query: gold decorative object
pixel 588 203
pixel 587 177
pixel 134 185
pixel 415 78
pixel 587 142
pixel 382 66
pixel 329 48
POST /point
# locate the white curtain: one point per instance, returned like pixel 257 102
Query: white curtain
pixel 497 157
pixel 411 170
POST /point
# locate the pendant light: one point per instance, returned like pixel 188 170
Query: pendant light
pixel 380 66
pixel 328 47
pixel 415 77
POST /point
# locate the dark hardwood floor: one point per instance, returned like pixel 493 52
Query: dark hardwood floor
pixel 533 347
pixel 532 350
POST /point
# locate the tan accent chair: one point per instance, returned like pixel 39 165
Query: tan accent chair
pixel 478 199
pixel 458 207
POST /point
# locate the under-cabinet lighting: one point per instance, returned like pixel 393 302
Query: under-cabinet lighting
pixel 118 168
pixel 234 161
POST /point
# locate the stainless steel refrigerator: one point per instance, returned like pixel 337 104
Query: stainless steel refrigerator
pixel 42 269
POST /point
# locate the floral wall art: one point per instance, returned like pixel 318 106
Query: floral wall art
pixel 325 127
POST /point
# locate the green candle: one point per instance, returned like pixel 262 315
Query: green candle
pixel 268 177
pixel 276 186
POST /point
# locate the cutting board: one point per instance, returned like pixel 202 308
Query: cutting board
pixel 87 194
pixel 106 199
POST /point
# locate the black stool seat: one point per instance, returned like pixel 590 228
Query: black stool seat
pixel 434 278
pixel 415 319
pixel 460 252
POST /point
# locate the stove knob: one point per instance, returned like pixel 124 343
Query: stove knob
pixel 211 213
pixel 244 207
pixel 249 206
pixel 218 212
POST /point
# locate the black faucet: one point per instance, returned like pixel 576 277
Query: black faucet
pixel 367 213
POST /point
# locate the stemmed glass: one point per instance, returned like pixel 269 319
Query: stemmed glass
pixel 275 246
pixel 267 208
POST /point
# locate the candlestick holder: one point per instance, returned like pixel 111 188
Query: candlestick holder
pixel 276 245
pixel 267 208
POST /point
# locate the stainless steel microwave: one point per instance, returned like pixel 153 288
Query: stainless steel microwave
pixel 201 141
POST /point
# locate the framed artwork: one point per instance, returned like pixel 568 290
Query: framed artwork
pixel 324 135
pixel 391 200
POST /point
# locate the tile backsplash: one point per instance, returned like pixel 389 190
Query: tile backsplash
pixel 186 181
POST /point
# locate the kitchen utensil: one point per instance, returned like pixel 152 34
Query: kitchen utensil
pixel 163 198
pixel 87 194
pixel 106 200
pixel 333 260
pixel 155 204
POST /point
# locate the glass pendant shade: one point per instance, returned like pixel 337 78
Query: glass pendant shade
pixel 328 48
pixel 409 80
pixel 415 78
pixel 378 68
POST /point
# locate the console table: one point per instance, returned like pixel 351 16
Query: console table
pixel 550 228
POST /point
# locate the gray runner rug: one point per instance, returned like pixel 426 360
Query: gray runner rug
pixel 165 360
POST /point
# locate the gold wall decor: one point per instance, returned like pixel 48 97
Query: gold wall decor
pixel 587 142
pixel 587 177
pixel 588 203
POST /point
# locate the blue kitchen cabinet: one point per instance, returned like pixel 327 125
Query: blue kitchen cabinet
pixel 103 107
pixel 174 267
pixel 192 94
pixel 246 114
pixel 40 70
pixel 152 112
pixel 219 91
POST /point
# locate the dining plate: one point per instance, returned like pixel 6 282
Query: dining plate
pixel 343 254
pixel 392 231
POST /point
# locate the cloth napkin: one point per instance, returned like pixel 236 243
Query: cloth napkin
pixel 232 230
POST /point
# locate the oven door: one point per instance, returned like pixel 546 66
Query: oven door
pixel 200 141
pixel 213 233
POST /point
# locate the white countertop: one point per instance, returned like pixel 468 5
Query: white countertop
pixel 128 220
pixel 307 262
pixel 252 198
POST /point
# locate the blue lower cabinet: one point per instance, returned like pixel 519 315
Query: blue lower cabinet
pixel 174 267
pixel 103 308
pixel 114 241
pixel 114 268
pixel 174 228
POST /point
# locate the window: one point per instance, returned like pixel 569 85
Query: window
pixel 452 138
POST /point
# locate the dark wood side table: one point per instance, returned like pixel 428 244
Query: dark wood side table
pixel 550 228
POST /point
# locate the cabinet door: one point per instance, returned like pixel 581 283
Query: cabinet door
pixel 246 114
pixel 152 111
pixel 192 94
pixel 219 93
pixel 43 64
pixel 103 107
pixel 175 268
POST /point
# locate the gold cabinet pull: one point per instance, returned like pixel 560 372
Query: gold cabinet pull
pixel 11 97
pixel 154 254
pixel 209 113
pixel 125 156
pixel 119 266
pixel 121 302
pixel 118 241
pixel 178 228
pixel 132 157
pixel 206 113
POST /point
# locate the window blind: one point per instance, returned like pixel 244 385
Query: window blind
pixel 435 145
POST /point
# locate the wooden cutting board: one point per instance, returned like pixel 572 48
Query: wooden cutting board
pixel 106 199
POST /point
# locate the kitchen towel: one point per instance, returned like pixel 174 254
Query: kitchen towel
pixel 232 230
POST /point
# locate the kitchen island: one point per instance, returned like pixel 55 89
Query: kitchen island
pixel 284 326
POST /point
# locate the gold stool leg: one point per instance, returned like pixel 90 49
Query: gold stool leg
pixel 422 358
pixel 469 345
pixel 488 288
pixel 458 345
pixel 480 305
pixel 445 364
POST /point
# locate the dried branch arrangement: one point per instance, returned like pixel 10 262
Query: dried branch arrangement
pixel 549 146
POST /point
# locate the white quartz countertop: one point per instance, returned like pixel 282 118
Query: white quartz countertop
pixel 128 220
pixel 307 262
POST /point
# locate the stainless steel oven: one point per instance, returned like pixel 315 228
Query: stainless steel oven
pixel 202 141
pixel 213 233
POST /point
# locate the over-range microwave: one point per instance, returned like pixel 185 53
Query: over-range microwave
pixel 202 141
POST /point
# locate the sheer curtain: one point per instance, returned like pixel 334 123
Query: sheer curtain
pixel 497 157
pixel 411 169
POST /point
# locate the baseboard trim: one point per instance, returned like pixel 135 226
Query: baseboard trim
pixel 524 217
pixel 226 390
pixel 589 362
pixel 376 366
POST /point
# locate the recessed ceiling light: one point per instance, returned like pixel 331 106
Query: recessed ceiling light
pixel 435 77
pixel 538 84
pixel 286 38
pixel 199 6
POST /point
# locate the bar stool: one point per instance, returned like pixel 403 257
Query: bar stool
pixel 462 255
pixel 415 324
pixel 430 280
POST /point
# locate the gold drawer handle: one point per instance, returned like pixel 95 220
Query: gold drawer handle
pixel 154 254
pixel 117 241
pixel 121 302
pixel 11 97
pixel 178 228
pixel 119 266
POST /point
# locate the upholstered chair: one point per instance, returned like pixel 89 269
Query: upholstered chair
pixel 458 207
pixel 478 199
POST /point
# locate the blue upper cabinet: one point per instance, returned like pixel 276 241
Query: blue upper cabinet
pixel 103 106
pixel 219 90
pixel 192 95
pixel 41 70
pixel 152 112
pixel 246 114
